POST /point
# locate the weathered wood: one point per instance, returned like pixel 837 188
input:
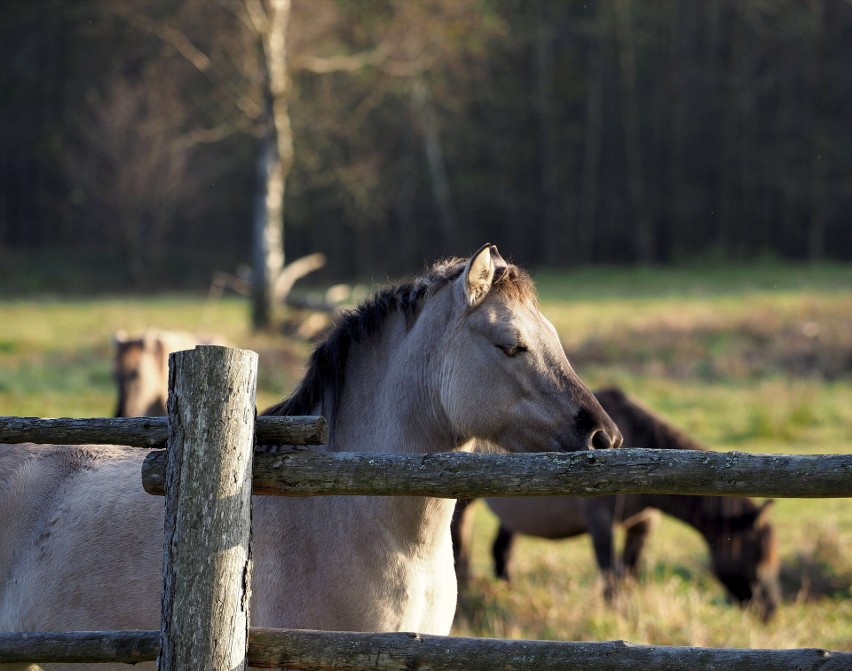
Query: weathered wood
pixel 625 470
pixel 69 647
pixel 206 557
pixel 346 651
pixel 148 432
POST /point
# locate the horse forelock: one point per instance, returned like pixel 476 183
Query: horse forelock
pixel 324 377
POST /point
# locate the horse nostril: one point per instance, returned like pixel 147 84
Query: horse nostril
pixel 600 440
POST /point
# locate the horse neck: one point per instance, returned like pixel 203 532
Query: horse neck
pixel 390 400
pixel 389 404
pixel 706 514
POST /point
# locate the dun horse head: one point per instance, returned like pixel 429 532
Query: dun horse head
pixel 460 356
pixel 142 374
pixel 142 368
pixel 506 378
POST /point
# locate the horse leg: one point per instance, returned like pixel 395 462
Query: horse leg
pixel 461 531
pixel 637 530
pixel 502 552
pixel 599 522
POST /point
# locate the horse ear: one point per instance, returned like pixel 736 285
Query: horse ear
pixel 763 511
pixel 150 339
pixel 478 276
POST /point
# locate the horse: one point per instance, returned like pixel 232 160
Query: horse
pixel 142 368
pixel 741 540
pixel 458 356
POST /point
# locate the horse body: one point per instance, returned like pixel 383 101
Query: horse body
pixel 68 574
pixel 742 543
pixel 437 364
pixel 87 542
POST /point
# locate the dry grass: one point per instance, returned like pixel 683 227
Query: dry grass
pixel 747 366
pixel 747 361
pixel 556 594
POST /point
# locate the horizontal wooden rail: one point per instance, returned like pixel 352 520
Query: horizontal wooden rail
pixel 149 432
pixel 462 475
pixel 70 647
pixel 348 651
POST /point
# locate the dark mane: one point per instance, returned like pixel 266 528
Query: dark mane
pixel 325 375
pixel 641 427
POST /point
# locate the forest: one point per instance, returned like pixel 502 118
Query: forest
pixel 136 133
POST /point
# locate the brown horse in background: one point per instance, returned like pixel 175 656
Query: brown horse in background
pixel 742 542
pixel 142 368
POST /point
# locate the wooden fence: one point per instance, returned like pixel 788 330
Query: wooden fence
pixel 210 439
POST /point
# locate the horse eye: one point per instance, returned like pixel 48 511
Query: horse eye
pixel 512 350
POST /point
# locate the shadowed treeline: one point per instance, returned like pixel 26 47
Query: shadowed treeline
pixel 614 131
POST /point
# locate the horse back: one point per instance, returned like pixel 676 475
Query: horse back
pixel 72 520
pixel 30 476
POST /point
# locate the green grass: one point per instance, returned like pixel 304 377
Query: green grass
pixel 755 359
pixel 556 594
pixel 56 354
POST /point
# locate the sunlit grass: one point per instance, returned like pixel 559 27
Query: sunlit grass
pixel 56 355
pixel 756 360
pixel 556 593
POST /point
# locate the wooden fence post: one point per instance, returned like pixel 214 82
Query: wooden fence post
pixel 206 548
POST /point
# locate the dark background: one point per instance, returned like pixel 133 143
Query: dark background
pixel 569 133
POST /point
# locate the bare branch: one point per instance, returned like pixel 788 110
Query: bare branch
pixel 294 271
pixel 349 63
pixel 212 135
pixel 181 43
pixel 258 21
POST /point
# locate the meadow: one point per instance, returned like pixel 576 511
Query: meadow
pixel 750 358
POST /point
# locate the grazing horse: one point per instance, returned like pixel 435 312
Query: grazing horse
pixel 142 369
pixel 458 356
pixel 743 549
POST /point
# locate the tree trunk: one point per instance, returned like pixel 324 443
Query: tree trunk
pixel 821 139
pixel 423 108
pixel 728 213
pixel 592 143
pixel 681 35
pixel 553 233
pixel 270 21
pixel 643 240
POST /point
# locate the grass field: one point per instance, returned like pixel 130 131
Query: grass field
pixel 754 359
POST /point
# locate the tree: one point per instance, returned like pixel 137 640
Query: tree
pixel 132 169
pixel 625 44
pixel 268 21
